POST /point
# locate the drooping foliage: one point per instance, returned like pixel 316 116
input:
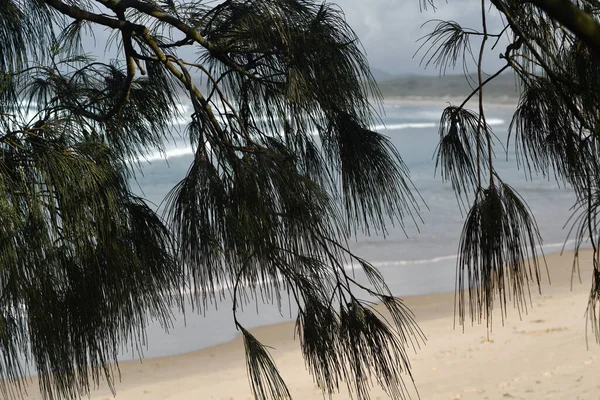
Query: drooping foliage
pixel 285 171
pixel 553 51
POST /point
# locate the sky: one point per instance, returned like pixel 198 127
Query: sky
pixel 389 31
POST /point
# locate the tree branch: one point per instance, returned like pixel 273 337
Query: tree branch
pixel 553 76
pixel 582 24
pixel 81 14
pixel 190 32
pixel 478 88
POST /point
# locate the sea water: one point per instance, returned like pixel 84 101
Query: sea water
pixel 415 259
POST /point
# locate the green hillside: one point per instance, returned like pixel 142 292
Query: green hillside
pixel 502 88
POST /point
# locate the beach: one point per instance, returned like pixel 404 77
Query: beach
pixel 540 355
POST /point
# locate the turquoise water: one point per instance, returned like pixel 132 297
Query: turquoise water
pixel 419 260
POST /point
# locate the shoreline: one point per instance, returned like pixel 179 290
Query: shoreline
pixel 496 102
pixel 219 372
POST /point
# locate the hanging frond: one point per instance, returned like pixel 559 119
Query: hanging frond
pixel 355 346
pixel 318 329
pixel 593 309
pixel 447 44
pixel 498 254
pixel 457 157
pixel 555 130
pixel 403 319
pixel 348 144
pixel 84 263
pixel 550 140
pixel 584 226
pixel 373 351
pixel 326 335
pixel 25 32
pixel 284 173
pixel 265 381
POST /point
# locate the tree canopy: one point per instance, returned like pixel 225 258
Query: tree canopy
pixel 553 52
pixel 285 171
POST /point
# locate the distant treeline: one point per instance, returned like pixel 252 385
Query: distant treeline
pixel 503 87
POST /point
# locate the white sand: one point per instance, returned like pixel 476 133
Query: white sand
pixel 541 356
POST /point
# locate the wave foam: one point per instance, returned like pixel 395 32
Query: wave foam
pixel 495 121
pixel 179 152
pixel 416 125
pixel 435 260
pixel 166 155
pixel 421 125
pixel 399 263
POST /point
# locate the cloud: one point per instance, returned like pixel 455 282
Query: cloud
pixel 389 29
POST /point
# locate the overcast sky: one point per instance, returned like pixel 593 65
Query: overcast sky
pixel 389 29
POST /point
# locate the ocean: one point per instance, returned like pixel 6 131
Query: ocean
pixel 419 259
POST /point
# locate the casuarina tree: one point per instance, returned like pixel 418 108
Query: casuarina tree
pixel 553 49
pixel 285 171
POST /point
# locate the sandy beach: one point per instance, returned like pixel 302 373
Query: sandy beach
pixel 541 355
